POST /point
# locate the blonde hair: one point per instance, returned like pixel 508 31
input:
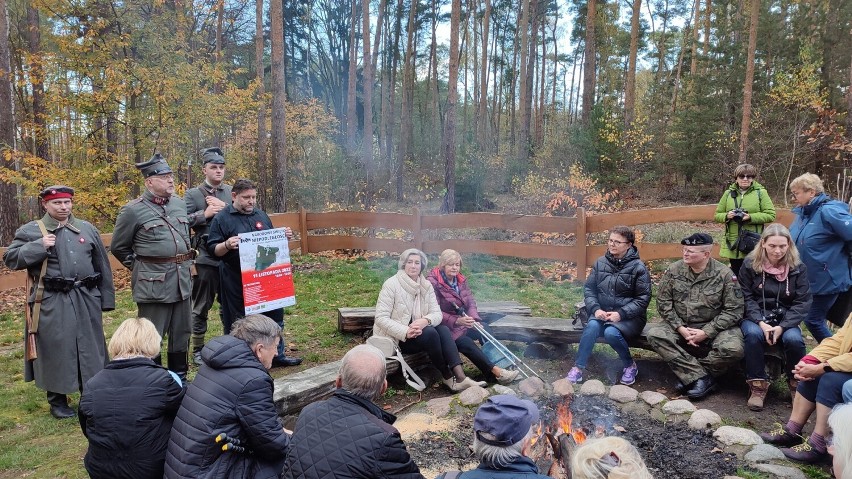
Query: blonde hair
pixel 447 256
pixel 135 337
pixel 808 182
pixel 591 460
pixel 758 254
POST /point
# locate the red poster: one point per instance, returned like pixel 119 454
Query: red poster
pixel 266 271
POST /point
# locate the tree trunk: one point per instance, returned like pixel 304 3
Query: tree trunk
pixel 542 76
pixel 523 47
pixel 482 133
pixel 749 80
pixel 630 83
pixel 848 105
pixel 392 91
pixel 351 95
pixel 696 10
pixel 708 11
pixel 8 203
pixel 39 119
pixel 367 139
pixel 433 74
pixel 262 168
pixel 449 204
pixel 406 134
pixel 279 141
pixel 589 65
pixel 526 120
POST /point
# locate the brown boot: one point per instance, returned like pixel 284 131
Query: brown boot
pixel 759 388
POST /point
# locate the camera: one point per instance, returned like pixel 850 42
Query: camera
pixel 739 215
pixel 773 317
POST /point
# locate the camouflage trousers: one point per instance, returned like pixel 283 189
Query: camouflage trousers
pixel 690 363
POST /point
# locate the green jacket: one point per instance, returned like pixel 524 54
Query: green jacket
pixel 713 301
pixel 756 202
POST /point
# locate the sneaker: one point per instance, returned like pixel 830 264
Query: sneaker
pixel 575 375
pixel 628 376
pixel 780 436
pixel 507 376
pixel 804 452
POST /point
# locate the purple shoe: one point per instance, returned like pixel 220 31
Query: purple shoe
pixel 805 452
pixel 629 375
pixel 575 375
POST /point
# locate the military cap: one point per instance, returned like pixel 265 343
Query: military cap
pixel 56 191
pixel 155 166
pixel 212 155
pixel 697 239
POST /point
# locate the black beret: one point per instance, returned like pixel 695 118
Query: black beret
pixel 697 239
pixel 155 166
pixel 212 155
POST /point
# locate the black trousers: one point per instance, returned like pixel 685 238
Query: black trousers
pixel 466 344
pixel 233 304
pixel 438 344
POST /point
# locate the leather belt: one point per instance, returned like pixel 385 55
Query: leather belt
pixel 168 259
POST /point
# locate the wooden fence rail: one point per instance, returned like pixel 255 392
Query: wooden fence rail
pixel 395 232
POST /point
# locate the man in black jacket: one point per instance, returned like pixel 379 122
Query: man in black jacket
pixel 349 436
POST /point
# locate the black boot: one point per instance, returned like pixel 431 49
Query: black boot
pixel 178 364
pixel 59 406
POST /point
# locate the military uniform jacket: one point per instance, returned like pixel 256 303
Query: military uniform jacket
pixel 196 203
pixel 70 330
pixel 711 301
pixel 144 228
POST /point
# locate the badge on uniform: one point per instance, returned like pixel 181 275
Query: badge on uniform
pixel 258 225
pixel 82 240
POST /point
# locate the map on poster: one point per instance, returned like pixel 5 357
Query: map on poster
pixel 266 271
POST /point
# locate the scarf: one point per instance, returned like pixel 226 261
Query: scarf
pixel 454 284
pixel 414 288
pixel 780 273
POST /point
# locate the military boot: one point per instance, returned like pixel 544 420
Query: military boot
pixel 758 389
pixel 59 407
pixel 179 365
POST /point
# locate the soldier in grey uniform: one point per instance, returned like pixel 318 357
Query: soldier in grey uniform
pixel 701 305
pixel 77 288
pixel 151 238
pixel 202 203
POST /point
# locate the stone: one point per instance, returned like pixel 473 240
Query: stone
pixel 532 387
pixel 764 453
pixel 652 398
pixel 440 407
pixel 785 472
pixel 593 387
pixel 563 387
pixel 638 408
pixel 704 419
pixel 732 477
pixel 623 394
pixel 500 389
pixel 473 396
pixel 730 435
pixel 679 406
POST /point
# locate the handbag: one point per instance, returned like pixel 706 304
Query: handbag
pixel 747 241
pixel 390 350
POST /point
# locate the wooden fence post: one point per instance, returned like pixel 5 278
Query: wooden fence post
pixel 417 229
pixel 580 242
pixel 303 230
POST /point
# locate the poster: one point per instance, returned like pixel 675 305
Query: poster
pixel 266 271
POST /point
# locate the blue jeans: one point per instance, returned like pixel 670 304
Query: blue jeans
pixel 826 389
pixel 847 391
pixel 755 346
pixel 816 316
pixel 612 336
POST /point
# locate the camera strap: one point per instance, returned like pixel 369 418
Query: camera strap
pixel 777 294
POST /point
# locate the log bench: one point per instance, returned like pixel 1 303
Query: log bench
pixel 359 320
pixel 527 329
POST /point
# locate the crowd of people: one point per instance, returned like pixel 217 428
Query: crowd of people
pixel 143 420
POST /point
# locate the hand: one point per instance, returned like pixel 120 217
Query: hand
pixel 465 321
pixel 613 316
pixel 287 431
pixel 698 336
pixel 48 241
pixel 747 217
pixel 211 210
pixel 730 214
pixel 600 314
pixel 419 323
pixel 233 242
pixel 808 372
pixel 213 201
pixel 772 335
pixel 413 332
pixel 288 232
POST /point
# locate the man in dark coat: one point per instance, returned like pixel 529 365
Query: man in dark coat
pixel 232 394
pixel 202 203
pixel 77 288
pixel 151 238
pixel 348 436
pixel 223 242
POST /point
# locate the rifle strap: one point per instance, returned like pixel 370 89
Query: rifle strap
pixel 40 286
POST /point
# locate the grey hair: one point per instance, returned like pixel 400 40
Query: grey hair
pixel 838 420
pixel 497 456
pixel 362 372
pixel 424 261
pixel 256 328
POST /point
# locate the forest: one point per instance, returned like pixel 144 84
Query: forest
pixel 442 104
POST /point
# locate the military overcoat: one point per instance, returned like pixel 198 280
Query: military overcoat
pixel 196 203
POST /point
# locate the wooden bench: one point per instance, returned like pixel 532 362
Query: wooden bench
pixel 529 329
pixel 359 320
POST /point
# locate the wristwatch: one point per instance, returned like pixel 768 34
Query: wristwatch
pixel 826 368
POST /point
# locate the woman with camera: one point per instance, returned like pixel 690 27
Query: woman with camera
pixel 777 299
pixel 744 208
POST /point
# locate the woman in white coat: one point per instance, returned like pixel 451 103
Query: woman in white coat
pixel 407 313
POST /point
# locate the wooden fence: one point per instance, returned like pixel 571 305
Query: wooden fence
pixel 323 232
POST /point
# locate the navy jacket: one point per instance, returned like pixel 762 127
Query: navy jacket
pixel 347 437
pixel 622 285
pixel 126 413
pixel 231 394
pixel 522 467
pixel 822 230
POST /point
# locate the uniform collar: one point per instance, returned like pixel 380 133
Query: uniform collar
pixel 50 223
pixel 157 200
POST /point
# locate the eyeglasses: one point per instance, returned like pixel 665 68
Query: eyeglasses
pixel 691 252
pixel 748 177
pixel 612 241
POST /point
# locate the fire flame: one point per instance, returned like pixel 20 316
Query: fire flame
pixel 565 418
pixel 537 436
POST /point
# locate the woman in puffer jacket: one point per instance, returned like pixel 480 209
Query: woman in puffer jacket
pixel 460 314
pixel 617 294
pixel 745 206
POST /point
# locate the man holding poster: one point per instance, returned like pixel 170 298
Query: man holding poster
pixel 254 259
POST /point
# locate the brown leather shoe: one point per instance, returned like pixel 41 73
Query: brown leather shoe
pixel 758 388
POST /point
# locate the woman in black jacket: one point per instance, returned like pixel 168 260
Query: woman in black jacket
pixel 617 294
pixel 777 299
pixel 127 409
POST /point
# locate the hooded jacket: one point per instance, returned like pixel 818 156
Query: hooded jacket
pixel 822 231
pixel 793 295
pixel 623 285
pixel 448 299
pixel 756 202
pixel 231 394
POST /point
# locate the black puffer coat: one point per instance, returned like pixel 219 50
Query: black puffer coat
pixel 622 285
pixel 232 393
pixel 347 437
pixel 794 294
pixel 126 413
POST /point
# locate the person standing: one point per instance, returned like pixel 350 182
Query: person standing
pixel 223 242
pixel 77 288
pixel 202 204
pixel 151 238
